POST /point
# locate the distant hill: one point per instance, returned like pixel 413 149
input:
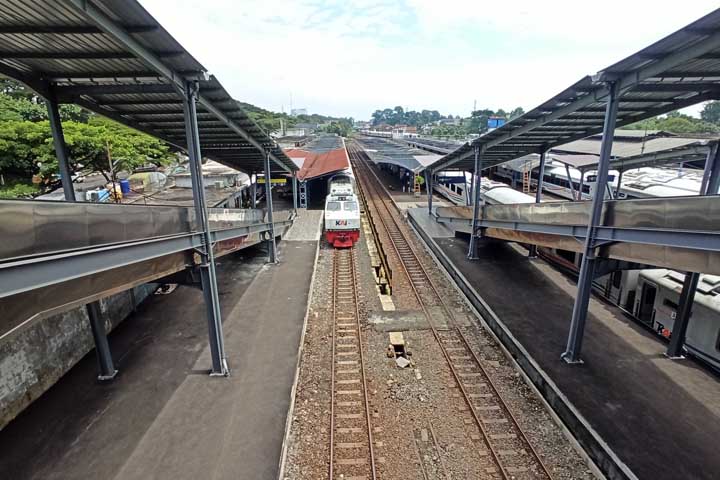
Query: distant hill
pixel 270 121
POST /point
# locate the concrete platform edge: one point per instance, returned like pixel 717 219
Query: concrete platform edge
pixel 291 410
pixel 593 446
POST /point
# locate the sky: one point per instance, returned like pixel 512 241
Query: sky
pixel 352 57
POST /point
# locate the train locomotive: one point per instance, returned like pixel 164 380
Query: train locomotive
pixel 342 211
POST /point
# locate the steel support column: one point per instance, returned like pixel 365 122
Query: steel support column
pixel 429 188
pixel 582 184
pixel 682 319
pixel 253 191
pixel 208 276
pixel 295 192
pixel 709 186
pixel 619 183
pixel 587 266
pixel 272 248
pixel 106 367
pixel 538 194
pixel 570 182
pixel 60 148
pixel 472 189
pixel 711 175
pixel 472 251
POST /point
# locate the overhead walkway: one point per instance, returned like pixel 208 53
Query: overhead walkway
pixel 682 233
pixel 59 255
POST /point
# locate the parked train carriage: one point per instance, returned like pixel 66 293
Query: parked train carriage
pixel 659 182
pixel 657 299
pixel 342 211
pixel 455 186
pixel 642 182
pixel 555 181
pixel 497 193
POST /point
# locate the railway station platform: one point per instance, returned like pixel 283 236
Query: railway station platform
pixel 660 417
pixel 163 416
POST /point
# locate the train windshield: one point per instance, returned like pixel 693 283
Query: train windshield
pixel 351 206
pixel 333 206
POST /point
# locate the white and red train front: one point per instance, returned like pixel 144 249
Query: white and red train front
pixel 342 220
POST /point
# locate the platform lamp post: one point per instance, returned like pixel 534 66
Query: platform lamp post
pixel 477 173
pixel 253 190
pixel 429 188
pixel 587 266
pixel 538 193
pixel 208 276
pixel 106 366
pixel 272 248
pixel 295 192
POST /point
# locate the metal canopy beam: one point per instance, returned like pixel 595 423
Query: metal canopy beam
pixel 69 92
pixel 76 55
pixel 176 78
pixel 679 87
pixel 67 29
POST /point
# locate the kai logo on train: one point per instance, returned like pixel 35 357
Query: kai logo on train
pixel 341 222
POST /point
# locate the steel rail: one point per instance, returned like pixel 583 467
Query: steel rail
pixel 413 256
pixel 337 253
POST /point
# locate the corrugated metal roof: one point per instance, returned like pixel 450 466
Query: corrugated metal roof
pixel 381 150
pixel 680 70
pixel 321 156
pixel 112 57
pixel 625 149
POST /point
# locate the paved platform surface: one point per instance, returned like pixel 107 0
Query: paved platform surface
pixel 164 417
pixel 661 417
pixel 307 226
pixel 428 224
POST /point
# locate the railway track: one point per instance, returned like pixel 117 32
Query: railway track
pixel 511 455
pixel 352 455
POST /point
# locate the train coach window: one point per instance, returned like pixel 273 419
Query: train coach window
pixel 617 279
pixel 351 206
pixel 333 207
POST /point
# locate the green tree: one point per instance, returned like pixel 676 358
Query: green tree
pixel 675 122
pixel 342 127
pixel 711 112
pixel 516 112
pixel 26 148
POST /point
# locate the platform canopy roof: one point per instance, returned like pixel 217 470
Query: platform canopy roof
pixel 113 58
pixel 321 156
pixel 383 150
pixel 680 70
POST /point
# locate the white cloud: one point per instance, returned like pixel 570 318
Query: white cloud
pixel 352 57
